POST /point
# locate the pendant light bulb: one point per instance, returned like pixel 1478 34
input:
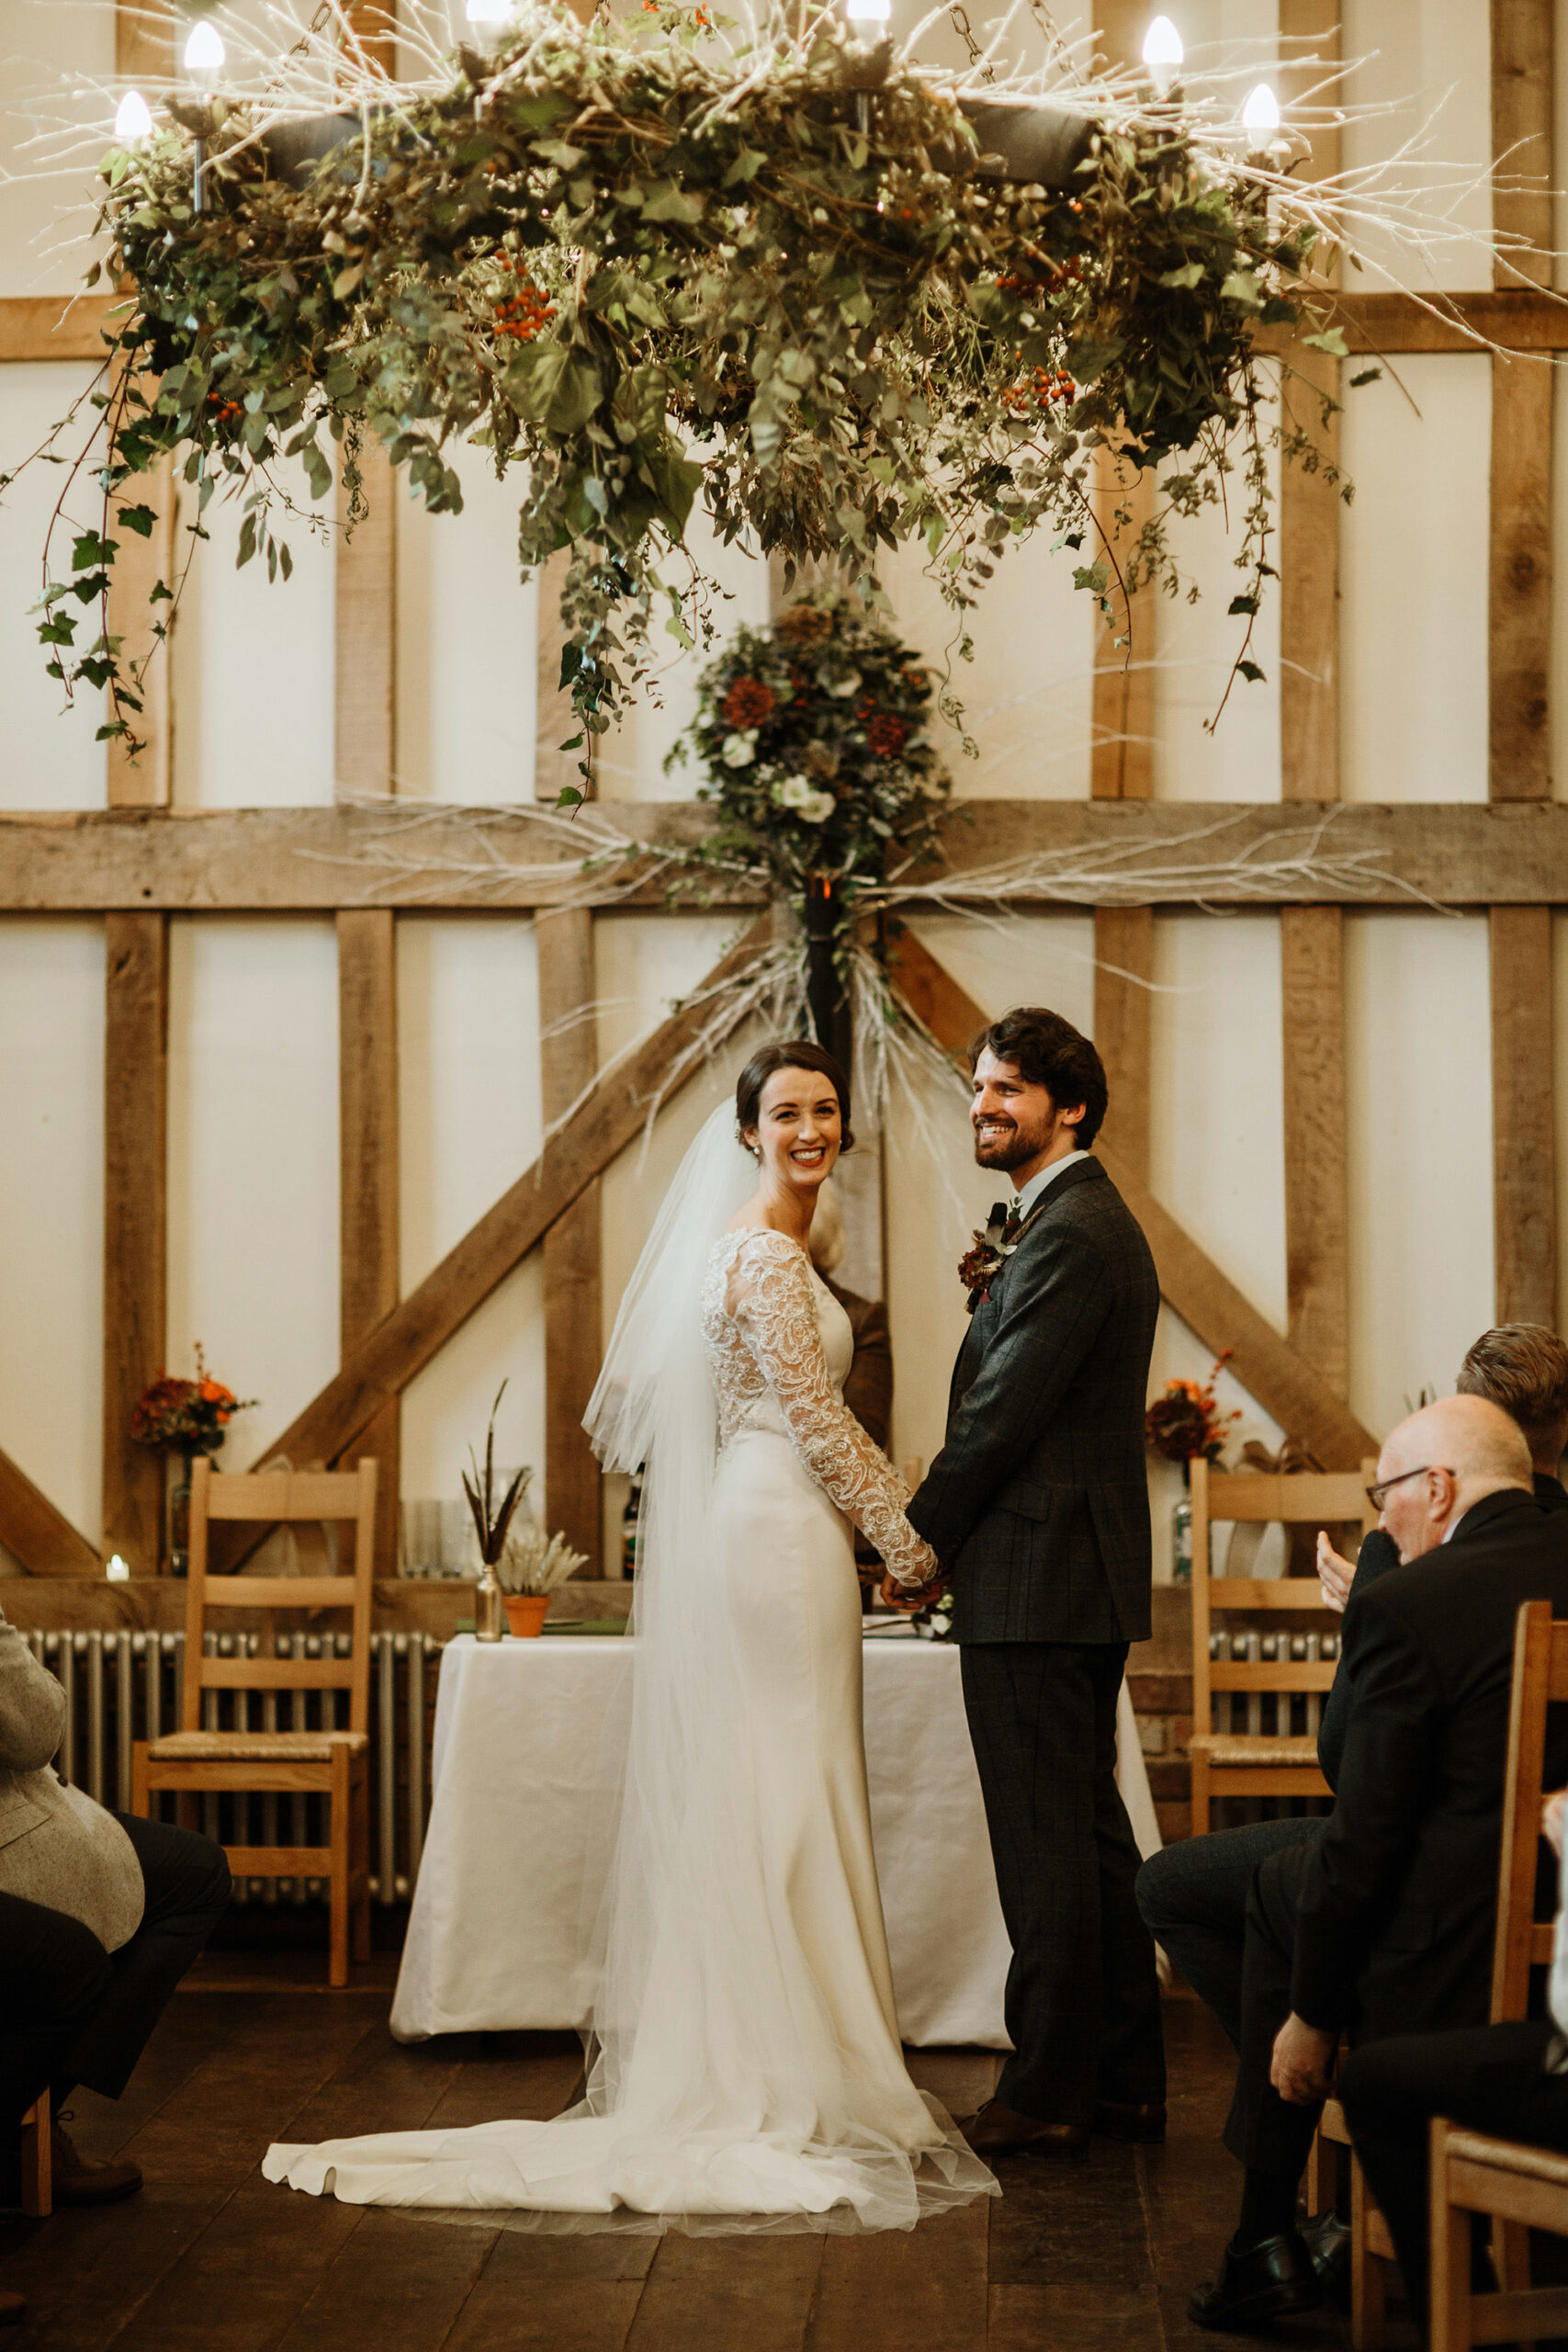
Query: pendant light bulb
pixel 866 15
pixel 1163 54
pixel 204 52
pixel 1261 115
pixel 490 16
pixel 132 121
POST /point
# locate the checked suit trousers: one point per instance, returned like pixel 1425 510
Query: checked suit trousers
pixel 1082 1994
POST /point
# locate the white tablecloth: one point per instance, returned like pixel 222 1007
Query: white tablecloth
pixel 523 1809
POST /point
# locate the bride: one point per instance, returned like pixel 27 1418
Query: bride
pixel 746 2070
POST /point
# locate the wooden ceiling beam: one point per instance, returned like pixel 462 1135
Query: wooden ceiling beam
pixel 293 861
pixel 36 1535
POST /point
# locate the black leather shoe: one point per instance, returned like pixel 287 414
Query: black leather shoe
pixel 999 2130
pixel 1121 2121
pixel 1269 2280
pixel 1327 2241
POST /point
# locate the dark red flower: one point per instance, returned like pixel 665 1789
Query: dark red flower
pixel 748 704
pixel 886 735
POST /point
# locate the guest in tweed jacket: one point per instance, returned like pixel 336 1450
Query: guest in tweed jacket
pixel 100 1916
pixel 1038 1506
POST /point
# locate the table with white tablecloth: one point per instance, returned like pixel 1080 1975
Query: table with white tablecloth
pixel 528 1740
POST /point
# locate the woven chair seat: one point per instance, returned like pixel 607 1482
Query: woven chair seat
pixel 1508 2155
pixel 253 1746
pixel 1243 1748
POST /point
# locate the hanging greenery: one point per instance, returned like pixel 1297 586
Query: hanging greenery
pixel 648 270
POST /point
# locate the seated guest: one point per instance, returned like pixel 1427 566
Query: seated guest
pixel 1509 2080
pixel 1384 1921
pixel 100 1916
pixel 1193 1895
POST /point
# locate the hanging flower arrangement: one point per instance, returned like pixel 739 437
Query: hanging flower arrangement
pixel 812 737
pixel 649 268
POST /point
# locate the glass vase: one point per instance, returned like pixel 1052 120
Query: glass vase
pixel 179 1516
pixel 1181 1540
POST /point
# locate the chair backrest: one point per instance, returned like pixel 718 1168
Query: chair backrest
pixel 1540 1680
pixel 1322 1499
pixel 270 1496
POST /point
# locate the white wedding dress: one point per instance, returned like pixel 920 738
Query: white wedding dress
pixel 747 2071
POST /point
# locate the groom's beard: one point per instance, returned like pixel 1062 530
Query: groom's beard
pixel 1014 1145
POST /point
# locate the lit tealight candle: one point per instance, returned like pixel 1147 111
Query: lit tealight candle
pixel 1163 56
pixel 116 1570
pixel 133 123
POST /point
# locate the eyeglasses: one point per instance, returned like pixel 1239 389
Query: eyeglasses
pixel 1377 1496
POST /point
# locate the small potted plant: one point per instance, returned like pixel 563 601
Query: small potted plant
pixel 492 1521
pixel 530 1567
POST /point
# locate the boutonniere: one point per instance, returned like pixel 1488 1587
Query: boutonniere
pixel 978 1267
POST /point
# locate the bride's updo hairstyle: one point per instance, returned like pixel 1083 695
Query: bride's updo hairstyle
pixel 795 1054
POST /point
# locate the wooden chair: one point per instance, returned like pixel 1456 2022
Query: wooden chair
pixel 1276 1764
pixel 38 2161
pixel 1518 2188
pixel 331 1762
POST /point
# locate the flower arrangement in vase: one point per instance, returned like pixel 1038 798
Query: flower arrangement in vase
pixel 530 1567
pixel 185 1417
pixel 1184 1424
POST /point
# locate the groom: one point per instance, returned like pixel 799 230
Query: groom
pixel 1038 1504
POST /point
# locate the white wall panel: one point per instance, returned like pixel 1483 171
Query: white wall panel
pixel 57 63
pixel 51 1206
pixel 1428 63
pixel 51 759
pixel 466 644
pixel 630 763
pixel 1412 578
pixel 1420 1093
pixel 471 1124
pixel 253 1163
pixel 253 664
pixel 1216 1147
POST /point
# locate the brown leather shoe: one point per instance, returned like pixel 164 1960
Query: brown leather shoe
pixel 76 2182
pixel 1120 2120
pixel 999 2130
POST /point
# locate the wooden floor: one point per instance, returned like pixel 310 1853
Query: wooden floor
pixel 210 2258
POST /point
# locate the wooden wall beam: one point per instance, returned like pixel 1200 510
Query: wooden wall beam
pixel 573 1269
pixel 36 1535
pixel 1268 1366
pixel 1316 1192
pixel 1524 1136
pixel 403 1342
pixel 136 1066
pixel 1458 853
pixel 1123 968
pixel 368 1192
pixel 1523 1114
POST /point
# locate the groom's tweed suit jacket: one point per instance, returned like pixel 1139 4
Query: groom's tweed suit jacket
pixel 1039 1499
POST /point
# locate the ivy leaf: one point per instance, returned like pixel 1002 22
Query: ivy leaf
pixel 668 202
pixel 1095 577
pixel 1243 604
pixel 139 519
pixel 1190 274
pixel 573 743
pixel 1331 340
pixel 569 796
pixel 1365 376
pixel 1242 287
pixel 1251 673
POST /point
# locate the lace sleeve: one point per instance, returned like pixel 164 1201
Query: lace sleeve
pixel 770 1299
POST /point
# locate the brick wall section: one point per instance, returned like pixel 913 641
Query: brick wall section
pixel 1159 1678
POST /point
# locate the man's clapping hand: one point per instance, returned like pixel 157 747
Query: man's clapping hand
pixel 1551 1821
pixel 1337 1575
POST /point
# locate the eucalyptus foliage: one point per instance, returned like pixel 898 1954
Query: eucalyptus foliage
pixel 648 268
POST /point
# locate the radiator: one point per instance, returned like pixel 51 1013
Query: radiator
pixel 1258 1711
pixel 124 1687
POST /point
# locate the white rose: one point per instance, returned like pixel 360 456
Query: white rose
pixel 795 792
pixel 841 688
pixel 818 807
pixel 740 751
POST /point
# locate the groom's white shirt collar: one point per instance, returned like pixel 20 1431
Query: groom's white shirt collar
pixel 1030 1192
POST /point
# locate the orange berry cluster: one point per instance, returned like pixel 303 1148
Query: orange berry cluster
pixel 523 315
pixel 224 411
pixel 1047 389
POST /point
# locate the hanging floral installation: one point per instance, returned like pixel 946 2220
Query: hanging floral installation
pixel 843 303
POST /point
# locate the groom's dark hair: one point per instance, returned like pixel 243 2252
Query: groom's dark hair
pixel 1049 1052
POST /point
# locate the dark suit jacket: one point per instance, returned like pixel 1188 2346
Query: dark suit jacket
pixel 1378 1552
pixel 1398 1897
pixel 1039 1500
